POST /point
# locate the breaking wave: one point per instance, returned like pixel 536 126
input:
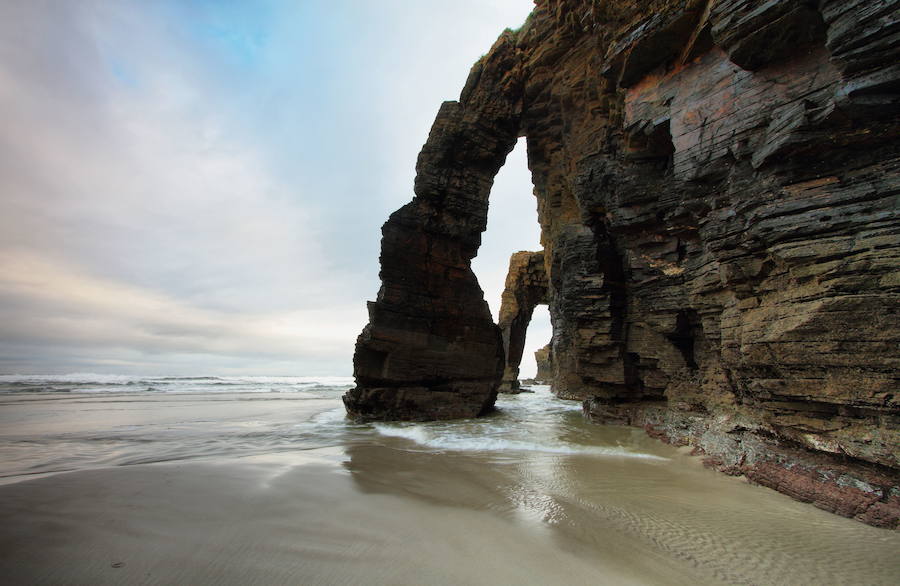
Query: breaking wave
pixel 118 383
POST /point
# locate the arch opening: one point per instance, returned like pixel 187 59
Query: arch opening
pixel 512 226
pixel 512 278
pixel 536 361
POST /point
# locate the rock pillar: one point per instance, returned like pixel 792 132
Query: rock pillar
pixel 431 349
pixel 544 359
pixel 526 287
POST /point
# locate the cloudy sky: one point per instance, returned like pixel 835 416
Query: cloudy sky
pixel 197 187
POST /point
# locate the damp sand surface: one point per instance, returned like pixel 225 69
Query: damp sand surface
pixel 271 485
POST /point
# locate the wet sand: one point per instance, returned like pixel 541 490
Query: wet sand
pixel 345 504
pixel 271 523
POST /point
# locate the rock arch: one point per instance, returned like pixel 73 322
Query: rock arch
pixel 719 223
pixel 431 349
pixel 526 287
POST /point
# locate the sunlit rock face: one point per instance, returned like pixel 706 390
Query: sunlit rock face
pixel 718 192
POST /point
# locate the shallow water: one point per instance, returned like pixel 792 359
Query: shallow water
pixel 609 497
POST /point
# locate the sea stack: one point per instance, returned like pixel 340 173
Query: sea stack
pixel 544 360
pixel 431 349
pixel 718 185
pixel 525 288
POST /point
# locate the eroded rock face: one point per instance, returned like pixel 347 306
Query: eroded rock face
pixel 718 186
pixel 544 360
pixel 431 349
pixel 526 288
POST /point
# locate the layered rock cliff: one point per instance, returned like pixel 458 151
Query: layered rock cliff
pixel 718 185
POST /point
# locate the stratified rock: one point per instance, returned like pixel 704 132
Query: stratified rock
pixel 526 288
pixel 431 349
pixel 544 359
pixel 718 188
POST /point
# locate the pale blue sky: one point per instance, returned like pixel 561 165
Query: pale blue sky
pixel 198 186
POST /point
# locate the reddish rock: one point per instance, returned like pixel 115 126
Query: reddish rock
pixel 809 486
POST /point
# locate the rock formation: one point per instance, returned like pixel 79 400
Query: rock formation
pixel 718 185
pixel 544 360
pixel 431 349
pixel 526 287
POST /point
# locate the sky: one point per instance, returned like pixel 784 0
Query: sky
pixel 198 186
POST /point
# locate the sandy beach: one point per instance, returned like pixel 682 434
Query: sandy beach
pixel 450 293
pixel 394 504
pixel 267 522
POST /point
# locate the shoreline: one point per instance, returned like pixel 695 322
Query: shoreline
pixel 293 492
pixel 302 523
pixel 737 446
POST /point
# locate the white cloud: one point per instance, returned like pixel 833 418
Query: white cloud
pixel 160 211
pixel 69 308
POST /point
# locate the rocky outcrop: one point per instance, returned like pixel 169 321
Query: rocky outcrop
pixel 718 185
pixel 526 288
pixel 544 360
pixel 431 349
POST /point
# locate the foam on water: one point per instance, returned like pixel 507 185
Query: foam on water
pixel 535 422
pixel 473 442
pixel 535 464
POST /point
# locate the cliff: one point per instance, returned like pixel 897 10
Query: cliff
pixel 718 194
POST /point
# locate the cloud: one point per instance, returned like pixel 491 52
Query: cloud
pixel 201 185
pixel 134 220
pixel 69 309
pixel 150 188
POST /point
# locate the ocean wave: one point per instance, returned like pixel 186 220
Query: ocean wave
pixel 104 383
pixel 75 378
pixel 186 378
pixel 422 435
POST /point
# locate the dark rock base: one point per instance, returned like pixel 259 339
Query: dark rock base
pixel 419 403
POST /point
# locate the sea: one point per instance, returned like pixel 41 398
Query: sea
pixel 143 419
pixel 603 494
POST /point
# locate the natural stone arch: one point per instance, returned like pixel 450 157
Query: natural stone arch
pixel 719 228
pixel 431 349
pixel 526 288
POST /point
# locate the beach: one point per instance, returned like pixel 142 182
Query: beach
pixel 205 486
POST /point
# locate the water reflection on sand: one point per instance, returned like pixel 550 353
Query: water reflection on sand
pixel 282 488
